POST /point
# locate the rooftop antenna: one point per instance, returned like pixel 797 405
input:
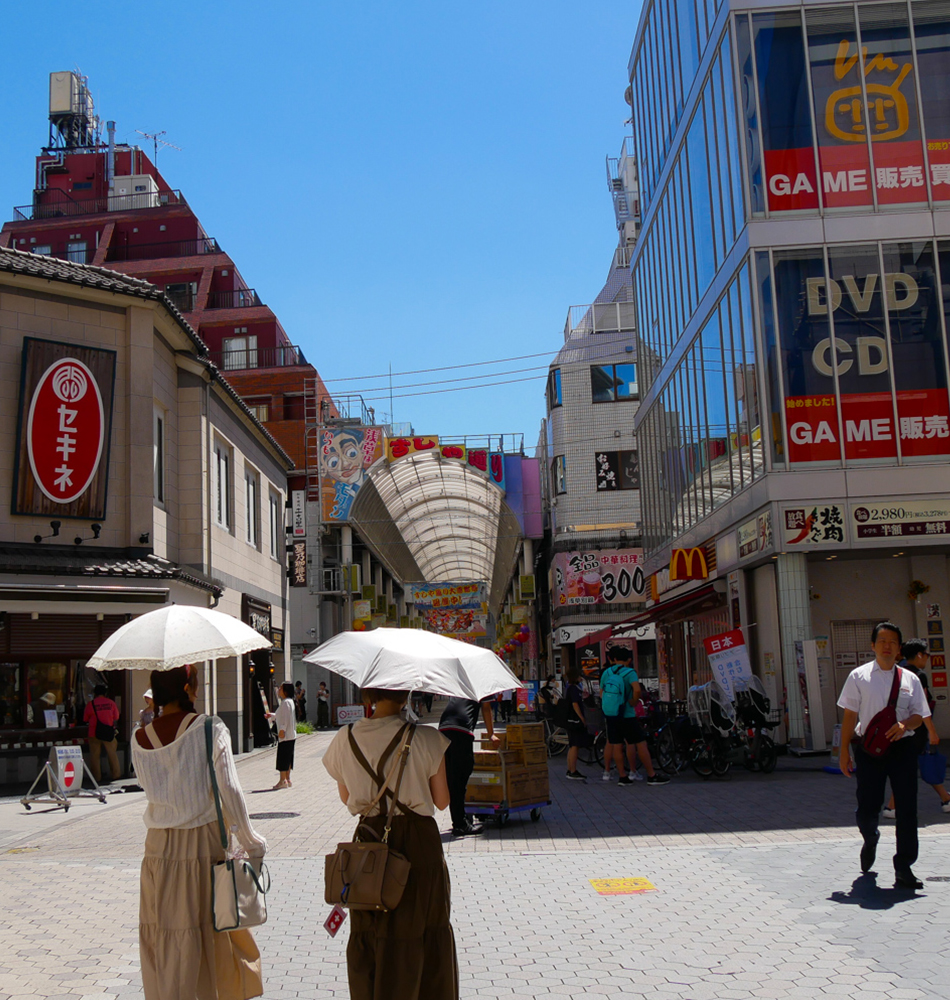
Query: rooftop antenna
pixel 156 138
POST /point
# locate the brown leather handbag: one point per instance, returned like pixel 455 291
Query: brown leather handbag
pixel 366 874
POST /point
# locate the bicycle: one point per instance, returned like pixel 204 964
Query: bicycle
pixel 557 741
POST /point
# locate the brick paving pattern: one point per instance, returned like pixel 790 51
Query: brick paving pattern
pixel 758 893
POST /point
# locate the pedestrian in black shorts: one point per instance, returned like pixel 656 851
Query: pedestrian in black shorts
pixel 286 720
pixel 576 724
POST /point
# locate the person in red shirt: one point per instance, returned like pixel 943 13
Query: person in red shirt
pixel 102 713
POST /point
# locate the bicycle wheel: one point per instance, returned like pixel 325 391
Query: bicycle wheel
pixel 700 759
pixel 768 755
pixel 557 742
pixel 600 742
pixel 667 753
pixel 720 763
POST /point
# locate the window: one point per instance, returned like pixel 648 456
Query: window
pixel 554 388
pixel 261 411
pixel 617 470
pixel 559 474
pixel 240 351
pixel 275 524
pixel 612 383
pixel 76 251
pixel 44 250
pixel 252 492
pixel 182 294
pixel 158 455
pixel 222 485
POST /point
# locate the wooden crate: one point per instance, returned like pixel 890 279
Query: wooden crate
pixel 525 733
pixel 501 745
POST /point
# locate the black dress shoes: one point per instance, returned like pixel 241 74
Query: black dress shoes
pixel 906 879
pixel 869 853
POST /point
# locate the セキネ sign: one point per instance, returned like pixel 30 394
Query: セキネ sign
pixel 64 430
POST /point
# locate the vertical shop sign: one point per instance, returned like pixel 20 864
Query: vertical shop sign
pixel 64 430
pixel 299 513
pixel 298 565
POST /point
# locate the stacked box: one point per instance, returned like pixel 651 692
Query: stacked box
pixel 525 733
pixel 491 760
pixel 502 743
pixel 517 786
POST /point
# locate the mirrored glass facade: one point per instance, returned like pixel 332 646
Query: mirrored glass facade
pixel 784 325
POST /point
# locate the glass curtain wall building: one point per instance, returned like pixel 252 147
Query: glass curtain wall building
pixel 792 282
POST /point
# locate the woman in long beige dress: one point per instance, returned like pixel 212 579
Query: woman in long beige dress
pixel 409 952
pixel 182 956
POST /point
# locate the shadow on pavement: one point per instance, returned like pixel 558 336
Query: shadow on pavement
pixel 866 893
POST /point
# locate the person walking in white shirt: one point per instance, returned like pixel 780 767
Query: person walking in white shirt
pixel 286 720
pixel 866 692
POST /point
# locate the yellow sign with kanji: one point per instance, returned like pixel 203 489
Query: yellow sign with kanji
pixel 621 886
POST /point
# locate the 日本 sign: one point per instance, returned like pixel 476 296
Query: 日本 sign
pixel 64 429
pixel 729 659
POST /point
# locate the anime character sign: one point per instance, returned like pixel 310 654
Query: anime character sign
pixel 346 456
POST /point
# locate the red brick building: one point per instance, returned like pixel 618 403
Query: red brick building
pixel 96 202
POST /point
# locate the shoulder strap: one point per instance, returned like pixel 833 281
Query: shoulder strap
pixel 185 723
pixel 209 745
pixel 895 687
pixel 152 735
pixel 376 775
pixel 94 712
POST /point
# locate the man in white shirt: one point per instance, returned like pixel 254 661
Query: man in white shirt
pixel 865 693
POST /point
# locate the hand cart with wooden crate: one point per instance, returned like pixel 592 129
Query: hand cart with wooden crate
pixel 510 777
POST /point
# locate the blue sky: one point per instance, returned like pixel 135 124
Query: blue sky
pixel 412 185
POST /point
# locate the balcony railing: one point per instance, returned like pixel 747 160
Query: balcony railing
pixel 169 248
pixel 258 357
pixel 601 317
pixel 241 298
pixel 54 203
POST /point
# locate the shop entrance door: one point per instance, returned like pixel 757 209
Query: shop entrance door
pixel 850 647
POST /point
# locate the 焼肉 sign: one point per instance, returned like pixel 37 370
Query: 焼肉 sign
pixel 64 430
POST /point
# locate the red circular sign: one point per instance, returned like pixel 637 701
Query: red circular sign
pixel 69 774
pixel 65 430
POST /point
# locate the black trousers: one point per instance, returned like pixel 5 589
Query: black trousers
pixel 323 715
pixel 871 774
pixel 459 764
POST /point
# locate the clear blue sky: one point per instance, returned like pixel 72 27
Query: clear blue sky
pixel 416 185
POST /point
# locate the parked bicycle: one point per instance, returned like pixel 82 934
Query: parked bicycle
pixel 555 737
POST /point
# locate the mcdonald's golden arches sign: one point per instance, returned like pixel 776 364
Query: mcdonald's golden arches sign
pixel 688 564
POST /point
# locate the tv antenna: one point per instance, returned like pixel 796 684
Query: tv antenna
pixel 156 138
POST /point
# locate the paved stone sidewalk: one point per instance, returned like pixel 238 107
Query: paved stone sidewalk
pixel 756 894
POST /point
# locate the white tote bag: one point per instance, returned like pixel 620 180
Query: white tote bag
pixel 239 886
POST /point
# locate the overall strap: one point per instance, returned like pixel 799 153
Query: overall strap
pixel 185 723
pixel 153 736
pixel 376 775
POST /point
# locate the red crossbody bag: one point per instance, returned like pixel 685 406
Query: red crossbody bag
pixel 874 742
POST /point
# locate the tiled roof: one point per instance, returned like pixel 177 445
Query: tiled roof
pixel 60 561
pixel 88 276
